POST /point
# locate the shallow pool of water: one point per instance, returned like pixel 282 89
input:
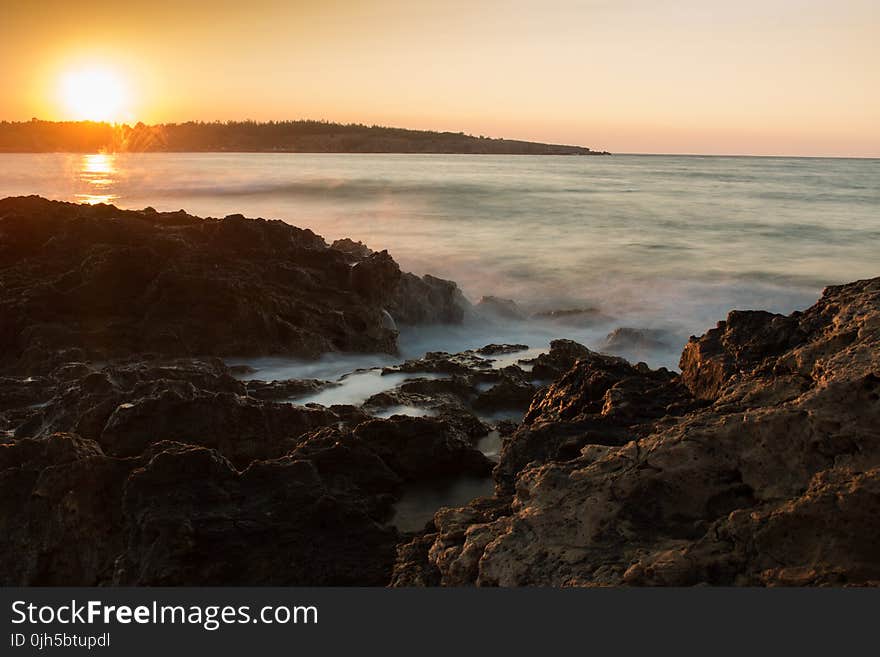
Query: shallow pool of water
pixel 420 501
pixel 490 445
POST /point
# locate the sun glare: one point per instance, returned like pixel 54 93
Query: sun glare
pixel 94 95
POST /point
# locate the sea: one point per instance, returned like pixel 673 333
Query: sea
pixel 661 242
pixel 583 245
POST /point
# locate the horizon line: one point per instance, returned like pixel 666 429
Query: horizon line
pixel 449 131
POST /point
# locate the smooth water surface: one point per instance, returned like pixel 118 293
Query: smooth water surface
pixel 669 242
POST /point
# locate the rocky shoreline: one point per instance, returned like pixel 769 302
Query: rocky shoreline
pixel 132 454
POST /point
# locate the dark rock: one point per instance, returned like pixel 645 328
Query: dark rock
pixel 496 349
pixel 181 514
pixel 240 428
pixel 357 249
pixel 96 282
pixel 427 300
pixel 376 277
pixel 83 397
pixel 19 392
pixel 441 362
pixel 562 355
pixel 194 520
pixel 60 521
pixel 456 385
pixel 288 389
pixel 474 386
pixel 422 447
pixel 350 468
pixel 508 393
pixel 126 407
pixel 413 567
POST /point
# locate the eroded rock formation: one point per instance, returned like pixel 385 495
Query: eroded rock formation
pixel 758 465
pixel 95 282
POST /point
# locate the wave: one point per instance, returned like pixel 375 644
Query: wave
pixel 338 189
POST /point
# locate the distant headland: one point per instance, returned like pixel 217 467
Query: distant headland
pixel 303 136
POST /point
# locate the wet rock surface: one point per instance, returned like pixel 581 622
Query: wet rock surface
pixel 130 454
pixel 174 471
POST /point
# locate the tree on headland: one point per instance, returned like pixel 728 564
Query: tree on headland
pixel 304 136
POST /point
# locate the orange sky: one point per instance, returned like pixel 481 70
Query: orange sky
pixel 799 77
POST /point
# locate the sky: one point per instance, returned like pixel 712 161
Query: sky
pixel 763 77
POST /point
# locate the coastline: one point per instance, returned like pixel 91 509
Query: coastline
pixel 616 473
pixel 303 136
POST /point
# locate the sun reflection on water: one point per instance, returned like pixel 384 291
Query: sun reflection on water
pixel 97 172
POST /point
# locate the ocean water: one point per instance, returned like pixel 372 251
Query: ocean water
pixel 664 243
pixel 668 243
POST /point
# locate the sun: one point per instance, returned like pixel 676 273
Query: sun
pixel 94 95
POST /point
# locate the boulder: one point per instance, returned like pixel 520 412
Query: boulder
pixel 427 300
pixel 422 447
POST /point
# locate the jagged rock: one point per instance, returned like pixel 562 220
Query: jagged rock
pixel 182 514
pixel 474 384
pixel 422 447
pixel 418 560
pixel 441 362
pixel 351 469
pixel 508 393
pixel 741 343
pixel 600 400
pixel 496 349
pixel 84 282
pixel 412 566
pixel 59 525
pixel 610 388
pixel 240 428
pixel 770 477
pixel 759 464
pixel 192 519
pixel 357 249
pixel 19 392
pixel 286 389
pixel 562 355
pixel 451 407
pixel 427 300
pixel 376 277
pixel 126 407
pixel 457 386
pixel 827 536
pixel 82 397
